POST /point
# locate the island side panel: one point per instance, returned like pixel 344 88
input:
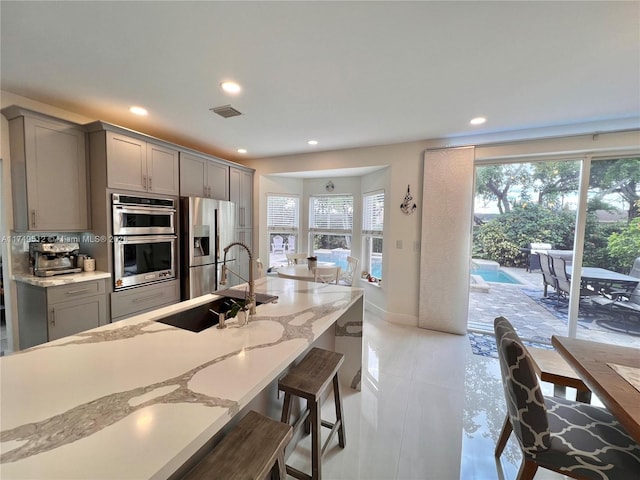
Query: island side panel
pixel 349 343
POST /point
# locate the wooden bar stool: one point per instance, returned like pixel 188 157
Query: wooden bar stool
pixel 254 449
pixel 552 368
pixel 309 380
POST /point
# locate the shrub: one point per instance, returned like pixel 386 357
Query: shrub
pixel 502 238
pixel 624 247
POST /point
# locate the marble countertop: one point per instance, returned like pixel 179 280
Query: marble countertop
pixel 57 280
pixel 137 398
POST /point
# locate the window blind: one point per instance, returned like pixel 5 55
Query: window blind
pixel 283 213
pixel 373 213
pixel 331 213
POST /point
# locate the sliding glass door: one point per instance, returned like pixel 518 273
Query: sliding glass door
pixel 554 243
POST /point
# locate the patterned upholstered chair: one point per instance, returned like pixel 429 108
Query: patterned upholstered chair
pixel 575 439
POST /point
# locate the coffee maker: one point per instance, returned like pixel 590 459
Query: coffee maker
pixel 50 259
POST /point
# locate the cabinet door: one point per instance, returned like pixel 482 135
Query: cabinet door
pixel 162 170
pixel 126 163
pixel 192 176
pixel 56 176
pixel 241 194
pixel 218 180
pixel 69 318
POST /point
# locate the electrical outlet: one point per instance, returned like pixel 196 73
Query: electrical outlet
pixel 399 244
pixel 416 246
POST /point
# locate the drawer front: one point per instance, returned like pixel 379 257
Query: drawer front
pixel 64 293
pixel 143 299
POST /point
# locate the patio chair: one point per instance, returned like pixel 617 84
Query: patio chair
pixel 548 279
pixel 627 304
pixel 291 243
pixel 563 282
pixel 349 273
pixel 326 274
pixel 296 258
pixel 572 438
pixel 277 244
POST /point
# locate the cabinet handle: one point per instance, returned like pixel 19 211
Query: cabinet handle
pixel 242 216
pixel 208 191
pixel 33 218
pixel 144 182
pixel 53 317
pixel 150 184
pixel 71 292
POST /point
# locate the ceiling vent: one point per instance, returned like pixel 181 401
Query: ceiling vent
pixel 226 111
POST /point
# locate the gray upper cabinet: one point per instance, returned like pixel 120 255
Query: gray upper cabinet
pixel 241 193
pixel 202 177
pixel 133 164
pixel 49 172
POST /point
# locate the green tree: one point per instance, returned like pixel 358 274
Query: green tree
pixel 493 182
pixel 553 180
pixel 621 176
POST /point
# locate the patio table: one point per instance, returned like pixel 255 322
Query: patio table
pixel 603 280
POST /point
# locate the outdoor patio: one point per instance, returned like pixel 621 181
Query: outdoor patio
pixel 536 320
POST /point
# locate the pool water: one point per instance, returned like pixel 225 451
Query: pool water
pixel 341 261
pixel 496 276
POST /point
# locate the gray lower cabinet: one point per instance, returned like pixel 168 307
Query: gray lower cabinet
pixel 143 299
pixel 49 313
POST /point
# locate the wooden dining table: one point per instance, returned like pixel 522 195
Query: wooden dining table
pixel 596 364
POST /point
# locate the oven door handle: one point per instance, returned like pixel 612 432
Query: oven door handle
pixel 144 238
pixel 144 210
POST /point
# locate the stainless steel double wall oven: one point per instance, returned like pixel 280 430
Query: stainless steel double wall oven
pixel 144 240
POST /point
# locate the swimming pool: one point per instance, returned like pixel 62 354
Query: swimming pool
pixel 495 276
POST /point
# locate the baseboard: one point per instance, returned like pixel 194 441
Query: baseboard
pixel 391 317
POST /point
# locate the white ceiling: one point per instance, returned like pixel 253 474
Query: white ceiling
pixel 348 74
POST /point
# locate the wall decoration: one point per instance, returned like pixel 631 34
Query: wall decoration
pixel 407 206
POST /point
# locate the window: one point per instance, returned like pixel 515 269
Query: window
pixel 372 229
pixel 283 220
pixel 330 227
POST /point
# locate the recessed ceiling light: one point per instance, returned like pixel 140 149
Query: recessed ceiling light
pixel 312 142
pixel 230 87
pixel 138 110
pixel 478 121
pixel 242 150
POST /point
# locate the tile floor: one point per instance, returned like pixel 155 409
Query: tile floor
pixel 429 409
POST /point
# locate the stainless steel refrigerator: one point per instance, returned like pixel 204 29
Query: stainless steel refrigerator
pixel 207 227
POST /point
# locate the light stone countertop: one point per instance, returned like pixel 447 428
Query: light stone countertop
pixel 136 399
pixel 57 280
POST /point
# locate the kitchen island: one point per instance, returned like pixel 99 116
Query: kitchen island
pixel 138 399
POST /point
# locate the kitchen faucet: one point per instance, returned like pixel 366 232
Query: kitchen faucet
pixel 223 275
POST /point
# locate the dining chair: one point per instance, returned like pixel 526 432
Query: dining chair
pixel 349 273
pixel 572 438
pixel 327 274
pixel 296 258
pixel 259 268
